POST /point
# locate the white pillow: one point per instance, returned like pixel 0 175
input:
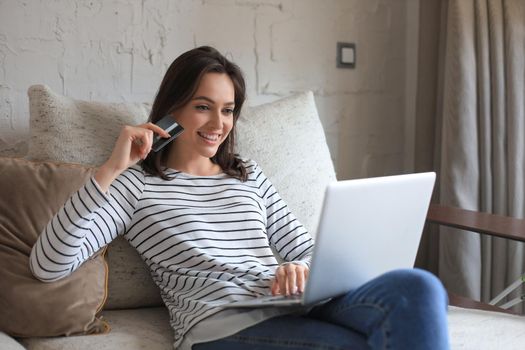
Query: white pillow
pixel 287 139
pixel 69 130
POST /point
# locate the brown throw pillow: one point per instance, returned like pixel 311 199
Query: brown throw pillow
pixel 30 194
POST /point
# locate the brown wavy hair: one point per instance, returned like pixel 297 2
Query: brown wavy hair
pixel 178 86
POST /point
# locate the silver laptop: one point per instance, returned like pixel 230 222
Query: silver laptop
pixel 367 227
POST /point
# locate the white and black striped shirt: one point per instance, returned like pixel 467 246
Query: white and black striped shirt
pixel 204 238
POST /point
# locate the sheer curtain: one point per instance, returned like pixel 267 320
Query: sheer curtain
pixel 478 148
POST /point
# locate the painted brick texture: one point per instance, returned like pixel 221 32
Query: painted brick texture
pixel 119 51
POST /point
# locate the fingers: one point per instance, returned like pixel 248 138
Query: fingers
pixel 275 287
pixel 142 137
pixel 281 280
pixel 156 129
pixel 133 144
pixel 290 279
pixel 142 140
pixel 300 276
pixel 146 145
pixel 149 137
pixel 291 275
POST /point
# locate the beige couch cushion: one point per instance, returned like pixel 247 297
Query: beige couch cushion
pixel 136 329
pixel 30 194
pixel 273 134
pixel 8 343
pixel 485 330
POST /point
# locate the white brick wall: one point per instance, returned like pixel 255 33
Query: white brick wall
pixel 119 50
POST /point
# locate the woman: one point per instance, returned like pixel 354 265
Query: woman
pixel 204 221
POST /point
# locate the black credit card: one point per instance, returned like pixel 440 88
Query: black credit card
pixel 172 127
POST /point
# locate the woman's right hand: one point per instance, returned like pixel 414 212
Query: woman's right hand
pixel 133 144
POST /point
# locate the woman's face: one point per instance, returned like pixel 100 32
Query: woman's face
pixel 208 118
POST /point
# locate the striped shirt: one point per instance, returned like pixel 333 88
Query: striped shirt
pixel 205 239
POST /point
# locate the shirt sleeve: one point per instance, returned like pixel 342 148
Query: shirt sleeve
pixel 286 234
pixel 88 221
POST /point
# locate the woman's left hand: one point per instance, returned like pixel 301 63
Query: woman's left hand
pixel 290 279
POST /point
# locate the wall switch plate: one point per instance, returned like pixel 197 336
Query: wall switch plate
pixel 346 55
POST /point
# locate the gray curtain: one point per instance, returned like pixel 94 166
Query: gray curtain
pixel 479 149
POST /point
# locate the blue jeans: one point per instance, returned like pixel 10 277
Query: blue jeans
pixel 402 309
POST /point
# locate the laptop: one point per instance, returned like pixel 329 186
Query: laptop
pixel 367 227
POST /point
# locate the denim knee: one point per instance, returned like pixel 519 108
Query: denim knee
pixel 420 284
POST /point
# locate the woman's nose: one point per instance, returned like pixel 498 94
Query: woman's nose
pixel 216 120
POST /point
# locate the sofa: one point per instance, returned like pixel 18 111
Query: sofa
pixel 70 137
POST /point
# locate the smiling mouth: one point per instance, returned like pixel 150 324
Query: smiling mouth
pixel 209 137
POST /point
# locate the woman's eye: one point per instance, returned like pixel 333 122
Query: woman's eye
pixel 202 107
pixel 228 111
